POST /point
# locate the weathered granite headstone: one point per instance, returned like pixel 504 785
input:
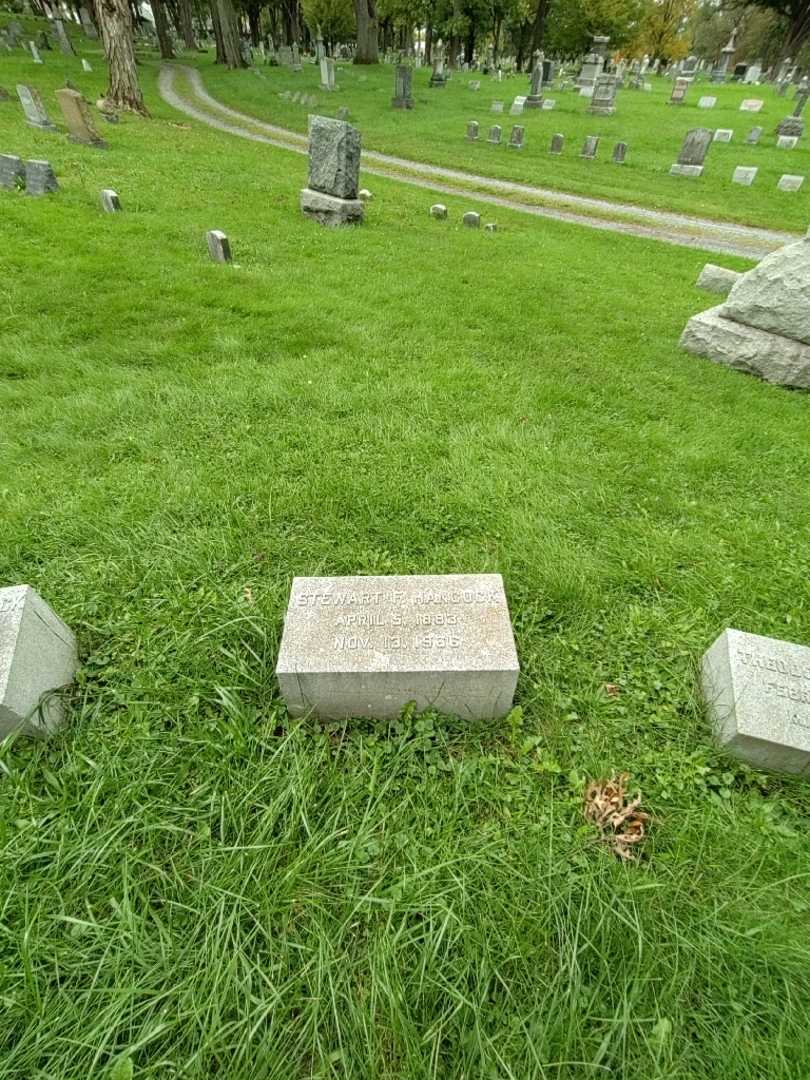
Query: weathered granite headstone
pixel 364 195
pixel 516 137
pixel 110 202
pixel 77 117
pixel 557 143
pixel 754 136
pixel 707 102
pixel 438 78
pixel 472 130
pixel 219 246
pixel 789 182
pixel 494 136
pixel 744 175
pixel 438 210
pixel 517 106
pixel 403 98
pixel 35 53
pixel 327 66
pixel 535 97
pixel 62 38
pixel 678 95
pixel 296 57
pixel 35 115
pixel 590 146
pixel 285 56
pixel 12 172
pixel 619 153
pixel 39 178
pixel 786 142
pixel 717 279
pixel 603 99
pixel 88 25
pixel 369 646
pixel 762 328
pixel 757 693
pixel 723 135
pixel 549 104
pixel 334 173
pixel 751 105
pixel 496 106
pixel 475 84
pixel 86 65
pixel 693 153
pixel 38 656
pixel 490 227
pixel 471 219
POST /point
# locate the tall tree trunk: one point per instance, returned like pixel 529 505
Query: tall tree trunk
pixel 162 29
pixel 255 29
pixel 186 25
pixel 539 27
pixel 229 28
pixel 115 24
pixel 799 29
pixel 220 45
pixel 289 20
pixel 367 45
pixel 428 44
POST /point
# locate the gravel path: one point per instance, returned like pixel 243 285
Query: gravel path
pixel 716 236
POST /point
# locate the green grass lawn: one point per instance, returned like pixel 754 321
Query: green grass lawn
pixel 192 885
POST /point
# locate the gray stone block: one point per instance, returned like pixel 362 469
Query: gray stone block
pixel 330 210
pixel 37 655
pixel 366 646
pixel 685 170
pixel 110 202
pixel 775 295
pixel 12 172
pixel 472 220
pixel 717 279
pixel 334 157
pixel 438 210
pixel 39 178
pixel 772 357
pixel 219 246
pixel 757 692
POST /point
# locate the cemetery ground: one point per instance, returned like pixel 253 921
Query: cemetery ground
pixel 191 884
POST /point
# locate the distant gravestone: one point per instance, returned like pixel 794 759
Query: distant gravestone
pixel 475 84
pixel 751 105
pixel 754 135
pixel 517 106
pixel 35 114
pixel 86 65
pixel 38 656
pixel 334 171
pixel 603 99
pixel 472 220
pixel 494 136
pixel 516 137
pixel 497 106
pixel 786 142
pixel 693 153
pixel 12 172
pixel 438 210
pixel 757 693
pixel 39 178
pixel 368 646
pixel 472 130
pixel 678 95
pixel 62 38
pixel 110 203
pixel 724 135
pixel 219 246
pixel 87 24
pixel 77 118
pixel 789 182
pixel 327 73
pixel 402 98
pixel 557 143
pixel 744 175
pixel 549 104
pixel 35 52
pixel 590 146
pixel 619 153
pixel 707 102
pixel 490 227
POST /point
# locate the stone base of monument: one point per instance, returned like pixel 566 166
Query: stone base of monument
pixel 601 110
pixel 368 646
pixel 329 209
pixel 791 125
pixel 757 693
pixel 533 102
pixel 37 656
pixel 401 103
pixel 685 170
pixel 772 357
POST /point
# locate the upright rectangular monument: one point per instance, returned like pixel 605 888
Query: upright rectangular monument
pixel 334 172
pixel 366 646
pixel 757 691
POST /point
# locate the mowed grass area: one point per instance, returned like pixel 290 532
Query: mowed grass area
pixel 192 885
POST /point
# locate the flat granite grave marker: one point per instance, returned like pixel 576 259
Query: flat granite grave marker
pixel 679 91
pixel 367 646
pixel 516 137
pixel 77 117
pixel 496 106
pixel 39 178
pixel 12 172
pixel 751 105
pixel 789 182
pixel 744 175
pixel 35 114
pixel 219 246
pixel 110 202
pixel 786 142
pixel 707 102
pixel 757 692
pixel 753 136
pixel 38 655
pixel 723 135
pixel 549 104
pixel 334 173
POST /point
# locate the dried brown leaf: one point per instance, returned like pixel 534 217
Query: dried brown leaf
pixel 621 821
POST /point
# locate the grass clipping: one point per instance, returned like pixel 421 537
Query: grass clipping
pixel 620 821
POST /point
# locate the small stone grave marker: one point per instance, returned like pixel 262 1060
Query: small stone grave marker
pixel 35 114
pixel 39 178
pixel 757 693
pixel 678 95
pixel 475 84
pixel 723 135
pixel 548 104
pixel 38 655
pixel 494 136
pixel 367 646
pixel 472 220
pixel 438 210
pixel 707 102
pixel 693 153
pixel 786 142
pixel 590 147
pixel 219 247
pixel 789 182
pixel 77 117
pixel 754 136
pixel 557 143
pixel 744 175
pixel 496 106
pixel 490 227
pixel 35 52
pixel 12 172
pixel 619 153
pixel 517 106
pixel 472 130
pixel 751 105
pixel 110 202
pixel 86 65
